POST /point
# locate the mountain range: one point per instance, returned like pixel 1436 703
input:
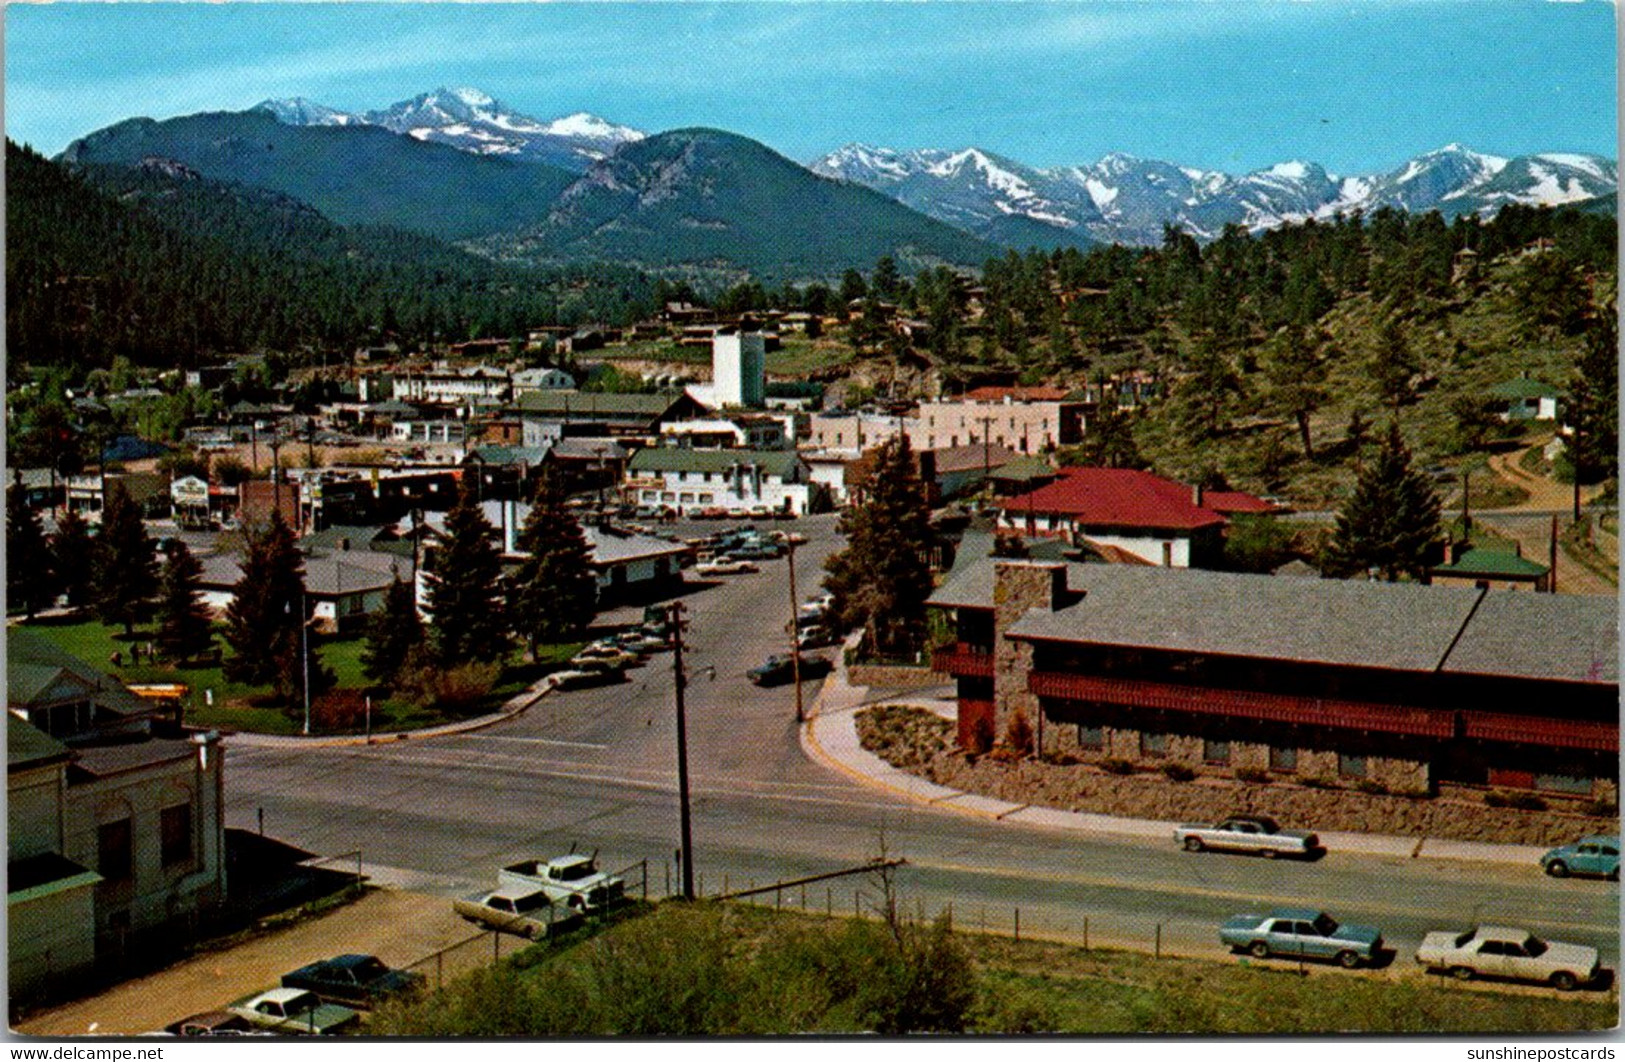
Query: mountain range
pixel 1126 199
pixel 459 164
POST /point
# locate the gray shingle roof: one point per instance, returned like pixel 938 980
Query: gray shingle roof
pixel 1402 627
pixel 1569 637
pixel 592 404
pixel 681 459
pixel 27 744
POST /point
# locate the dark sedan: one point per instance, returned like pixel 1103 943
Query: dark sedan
pixel 354 980
pixel 781 669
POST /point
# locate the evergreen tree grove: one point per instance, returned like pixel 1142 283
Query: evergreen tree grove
pixel 265 621
pixel 392 633
pixel 73 558
pixel 882 578
pixel 553 596
pixel 1390 521
pixel 468 623
pixel 183 618
pixel 126 566
pixel 29 585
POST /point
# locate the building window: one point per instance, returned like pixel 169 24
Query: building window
pixel 115 850
pixel 1350 766
pixel 1283 759
pixel 651 495
pixel 1091 737
pixel 1153 744
pixel 175 830
pixel 1215 751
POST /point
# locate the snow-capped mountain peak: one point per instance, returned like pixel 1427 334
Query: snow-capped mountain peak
pixel 473 120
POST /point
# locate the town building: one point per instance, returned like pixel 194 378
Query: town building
pixel 477 385
pixel 738 367
pixel 744 431
pixel 738 481
pixel 545 378
pixel 555 414
pixel 1524 398
pixel 851 432
pixel 1160 521
pixel 1390 686
pixel 115 824
pixel 1028 420
pixel 1492 569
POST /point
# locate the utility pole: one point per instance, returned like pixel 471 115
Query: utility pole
pixel 686 837
pixel 795 635
pixel 304 651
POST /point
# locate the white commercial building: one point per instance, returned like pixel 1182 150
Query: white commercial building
pixel 738 365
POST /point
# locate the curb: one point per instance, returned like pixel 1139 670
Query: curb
pixel 989 808
pixel 516 706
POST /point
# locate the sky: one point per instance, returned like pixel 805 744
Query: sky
pixel 1232 85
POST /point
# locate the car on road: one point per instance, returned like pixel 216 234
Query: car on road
pixel 213 1023
pixel 602 656
pixel 725 566
pixel 1503 952
pixel 353 980
pixel 1297 932
pixel 641 641
pixel 524 910
pixel 294 1010
pixel 581 678
pixel 762 551
pixel 1246 833
pixel 1594 856
pixel 815 637
pixel 778 670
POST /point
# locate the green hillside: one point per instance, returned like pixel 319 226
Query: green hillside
pixel 353 174
pixel 709 199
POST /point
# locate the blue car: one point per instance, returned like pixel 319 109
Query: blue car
pixel 1304 933
pixel 1594 856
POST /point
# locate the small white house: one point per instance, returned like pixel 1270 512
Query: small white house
pixel 546 378
pixel 735 480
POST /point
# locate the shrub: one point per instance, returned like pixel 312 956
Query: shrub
pixel 1178 772
pixel 1605 809
pixel 1521 801
pixel 454 690
pixel 1114 765
pixel 1018 733
pixel 1310 781
pixel 1372 786
pixel 1255 775
pixel 339 710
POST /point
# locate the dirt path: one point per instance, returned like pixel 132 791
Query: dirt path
pixel 398 927
pixel 1534 537
pixel 1544 492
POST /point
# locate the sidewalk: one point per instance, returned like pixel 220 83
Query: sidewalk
pixel 511 707
pixel 830 736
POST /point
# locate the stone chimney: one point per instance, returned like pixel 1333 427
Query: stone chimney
pixel 1018 587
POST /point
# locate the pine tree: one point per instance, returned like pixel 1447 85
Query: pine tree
pixel 1391 520
pixel 126 566
pixel 29 582
pixel 1295 371
pixel 1393 364
pixel 183 619
pixel 392 633
pixel 1592 404
pixel 267 610
pixel 553 596
pixel 881 580
pixel 73 558
pixel 468 622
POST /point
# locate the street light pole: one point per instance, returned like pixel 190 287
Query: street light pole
pixel 795 635
pixel 686 837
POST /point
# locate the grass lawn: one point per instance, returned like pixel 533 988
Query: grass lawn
pixel 243 707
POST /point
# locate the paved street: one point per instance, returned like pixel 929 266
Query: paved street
pixel 597 767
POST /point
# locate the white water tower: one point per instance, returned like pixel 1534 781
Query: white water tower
pixel 738 361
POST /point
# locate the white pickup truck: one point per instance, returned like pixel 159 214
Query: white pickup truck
pixel 573 880
pixel 1497 951
pixel 1246 833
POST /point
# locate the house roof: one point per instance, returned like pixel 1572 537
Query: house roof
pixel 1523 387
pixel 1491 563
pixel 34 665
pixel 508 455
pixel 44 874
pixel 1017 394
pixel 1393 626
pixel 972 458
pixel 1116 497
pixel 574 448
pixel 29 746
pixel 345 573
pixel 358 535
pixel 1024 469
pixel 1569 637
pixel 779 463
pixel 102 760
pixel 588 404
pixel 617 547
pixel 1235 501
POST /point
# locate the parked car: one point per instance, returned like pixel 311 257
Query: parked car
pixel 294 1010
pixel 641 641
pixel 1246 833
pixel 581 678
pixel 353 980
pixel 1596 856
pixel 1497 951
pixel 778 670
pixel 764 551
pixel 725 566
pixel 593 657
pixel 815 637
pixel 212 1023
pixel 1301 933
pixel 524 910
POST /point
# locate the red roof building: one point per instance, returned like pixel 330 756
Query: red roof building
pixel 1158 520
pixel 1017 394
